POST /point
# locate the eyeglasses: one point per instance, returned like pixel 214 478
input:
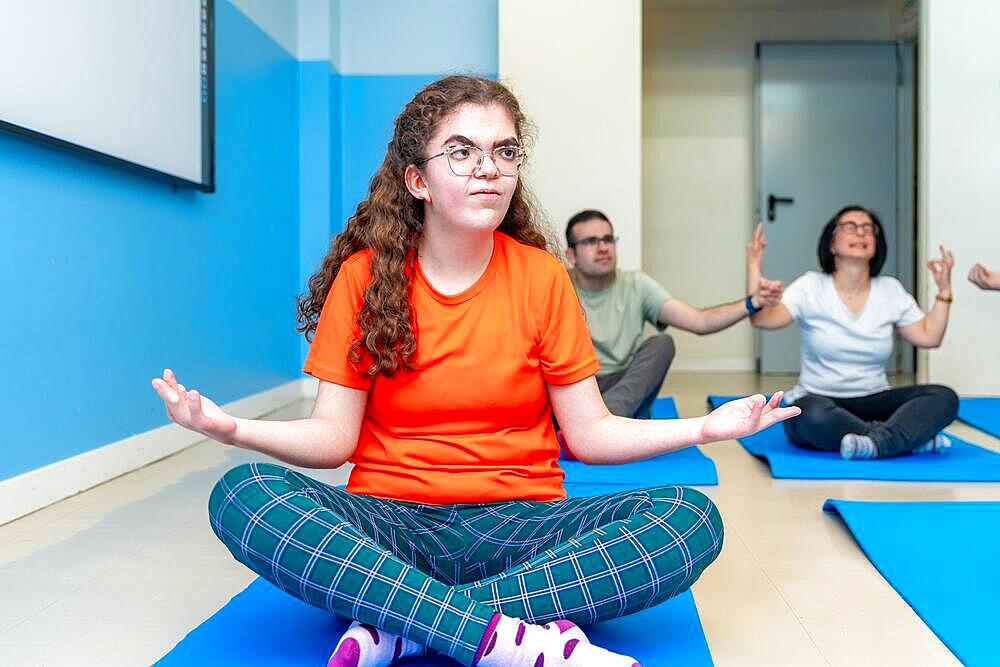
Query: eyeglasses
pixel 466 160
pixel 592 241
pixel 865 228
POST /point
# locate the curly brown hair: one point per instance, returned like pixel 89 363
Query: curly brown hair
pixel 389 222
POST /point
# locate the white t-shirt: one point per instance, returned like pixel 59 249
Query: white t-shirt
pixel 843 353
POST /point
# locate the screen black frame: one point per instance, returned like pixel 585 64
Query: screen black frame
pixel 207 126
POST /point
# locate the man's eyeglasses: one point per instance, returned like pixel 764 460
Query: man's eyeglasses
pixel 865 228
pixel 592 241
pixel 466 160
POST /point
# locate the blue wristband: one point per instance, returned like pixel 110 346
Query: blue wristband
pixel 750 307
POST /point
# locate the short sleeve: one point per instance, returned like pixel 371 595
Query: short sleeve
pixel 796 295
pixel 328 355
pixel 903 303
pixel 652 296
pixel 565 349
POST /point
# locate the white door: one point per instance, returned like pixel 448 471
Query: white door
pixel 826 137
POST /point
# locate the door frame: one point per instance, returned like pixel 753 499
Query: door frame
pixel 904 357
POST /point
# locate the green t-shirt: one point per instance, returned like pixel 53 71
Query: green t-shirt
pixel 616 316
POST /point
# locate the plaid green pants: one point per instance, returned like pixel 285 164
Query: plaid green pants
pixel 437 574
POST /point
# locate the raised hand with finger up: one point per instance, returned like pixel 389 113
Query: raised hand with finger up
pixel 941 270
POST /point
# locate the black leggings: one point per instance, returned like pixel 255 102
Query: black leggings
pixel 898 420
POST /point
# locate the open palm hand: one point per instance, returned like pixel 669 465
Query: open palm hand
pixel 193 411
pixel 745 416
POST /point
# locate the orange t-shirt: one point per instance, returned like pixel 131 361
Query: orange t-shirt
pixel 472 422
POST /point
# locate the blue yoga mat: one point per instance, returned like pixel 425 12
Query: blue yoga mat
pixel 267 627
pixel 981 412
pixel 687 466
pixel 941 557
pixel 964 462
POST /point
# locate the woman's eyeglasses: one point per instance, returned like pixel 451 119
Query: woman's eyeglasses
pixel 865 228
pixel 466 160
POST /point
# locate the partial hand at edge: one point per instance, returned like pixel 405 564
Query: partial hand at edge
pixel 983 278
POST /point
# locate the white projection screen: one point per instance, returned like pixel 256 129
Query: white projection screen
pixel 125 81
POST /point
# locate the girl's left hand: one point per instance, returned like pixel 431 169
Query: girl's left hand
pixel 941 270
pixel 745 416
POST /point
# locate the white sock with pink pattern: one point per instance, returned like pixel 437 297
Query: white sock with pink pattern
pixel 364 645
pixel 509 642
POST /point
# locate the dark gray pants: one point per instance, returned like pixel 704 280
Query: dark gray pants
pixel 631 392
pixel 898 420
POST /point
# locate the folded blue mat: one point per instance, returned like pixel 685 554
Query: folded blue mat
pixel 964 462
pixel 688 466
pixel 265 626
pixel 941 557
pixel 982 412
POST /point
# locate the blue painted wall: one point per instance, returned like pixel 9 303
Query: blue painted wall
pixel 387 51
pixel 319 141
pixel 383 52
pixel 106 277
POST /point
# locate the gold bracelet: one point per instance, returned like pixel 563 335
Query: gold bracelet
pixel 945 299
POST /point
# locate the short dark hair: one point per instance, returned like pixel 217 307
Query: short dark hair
pixel 826 261
pixel 583 216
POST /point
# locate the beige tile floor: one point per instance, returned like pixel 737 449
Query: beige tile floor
pixel 117 575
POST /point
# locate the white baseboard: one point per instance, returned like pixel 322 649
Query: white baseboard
pixel 310 387
pixel 38 488
pixel 715 365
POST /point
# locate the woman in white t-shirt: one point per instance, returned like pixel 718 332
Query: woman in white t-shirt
pixel 847 315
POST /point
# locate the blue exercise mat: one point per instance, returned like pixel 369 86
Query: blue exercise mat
pixel 982 412
pixel 265 626
pixel 964 462
pixel 688 466
pixel 941 557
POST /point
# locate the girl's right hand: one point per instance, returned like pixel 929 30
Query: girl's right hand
pixel 192 410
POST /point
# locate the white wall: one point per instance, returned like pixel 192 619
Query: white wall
pixel 280 20
pixel 575 65
pixel 697 204
pixel 959 139
pixel 314 29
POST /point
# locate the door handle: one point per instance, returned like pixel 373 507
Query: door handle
pixel 772 200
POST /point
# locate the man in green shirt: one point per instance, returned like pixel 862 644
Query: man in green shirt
pixel 618 303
